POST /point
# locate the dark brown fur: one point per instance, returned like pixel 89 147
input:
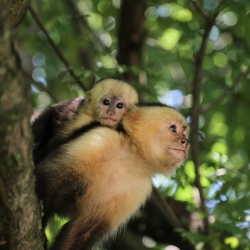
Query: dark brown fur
pixel 46 123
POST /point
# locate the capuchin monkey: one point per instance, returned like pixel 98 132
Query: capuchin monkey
pixel 105 103
pixel 100 178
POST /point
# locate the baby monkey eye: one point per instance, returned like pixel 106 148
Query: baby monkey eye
pixel 119 105
pixel 105 102
pixel 173 128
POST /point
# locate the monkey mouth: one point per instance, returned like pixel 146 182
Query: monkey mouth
pixel 178 149
pixel 109 121
pixel 108 118
pixel 179 152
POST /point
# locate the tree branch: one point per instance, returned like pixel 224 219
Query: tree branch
pixel 200 10
pixel 195 115
pixel 226 93
pixel 79 20
pixel 169 213
pixel 40 86
pixel 55 47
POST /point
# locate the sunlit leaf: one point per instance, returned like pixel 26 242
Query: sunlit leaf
pixel 169 39
pixel 232 241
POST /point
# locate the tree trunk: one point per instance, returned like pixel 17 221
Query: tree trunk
pixel 20 223
pixel 131 35
pixel 16 10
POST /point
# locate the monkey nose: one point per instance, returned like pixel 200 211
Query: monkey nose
pixel 184 143
pixel 110 112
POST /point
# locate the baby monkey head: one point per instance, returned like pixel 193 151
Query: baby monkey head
pixel 110 99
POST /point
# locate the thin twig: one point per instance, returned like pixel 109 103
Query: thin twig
pixel 200 10
pixel 168 212
pixel 40 86
pixel 55 47
pixel 226 93
pixel 195 116
pixel 45 89
pixel 76 15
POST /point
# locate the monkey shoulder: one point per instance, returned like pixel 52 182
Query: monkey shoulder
pixel 99 138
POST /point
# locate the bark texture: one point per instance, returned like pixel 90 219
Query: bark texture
pixel 20 223
pixel 16 10
pixel 131 35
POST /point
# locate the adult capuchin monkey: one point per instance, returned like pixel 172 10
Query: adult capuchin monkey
pixel 105 103
pixel 99 179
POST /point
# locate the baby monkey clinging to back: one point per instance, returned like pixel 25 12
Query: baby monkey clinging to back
pixel 105 103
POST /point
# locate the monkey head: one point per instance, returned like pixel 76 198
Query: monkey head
pixel 109 100
pixel 161 134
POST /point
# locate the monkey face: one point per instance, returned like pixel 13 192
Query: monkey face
pixel 169 143
pixel 178 144
pixel 161 133
pixel 112 109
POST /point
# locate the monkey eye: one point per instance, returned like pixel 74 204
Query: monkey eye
pixel 119 105
pixel 173 128
pixel 105 102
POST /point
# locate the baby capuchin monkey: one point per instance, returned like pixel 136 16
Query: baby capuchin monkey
pixel 105 103
pixel 100 178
